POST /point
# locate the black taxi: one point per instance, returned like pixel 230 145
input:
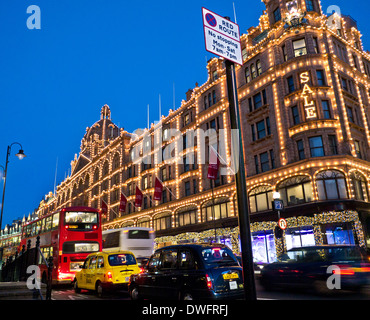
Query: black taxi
pixel 189 272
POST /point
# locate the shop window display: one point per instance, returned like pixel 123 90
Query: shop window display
pixel 263 247
pixel 299 237
pixel 339 234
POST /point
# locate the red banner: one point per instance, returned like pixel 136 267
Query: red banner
pixel 138 198
pixel 122 204
pixel 214 164
pixel 104 207
pixel 158 188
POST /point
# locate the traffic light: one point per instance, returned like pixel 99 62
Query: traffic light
pixel 278 232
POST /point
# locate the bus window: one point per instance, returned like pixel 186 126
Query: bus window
pixel 48 223
pixel 111 240
pixel 138 234
pixel 33 230
pixel 55 220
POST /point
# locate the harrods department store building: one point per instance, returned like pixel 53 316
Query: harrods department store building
pixel 304 102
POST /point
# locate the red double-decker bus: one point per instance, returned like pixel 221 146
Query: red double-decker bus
pixel 68 235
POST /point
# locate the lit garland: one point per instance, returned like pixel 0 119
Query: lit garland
pixel 294 222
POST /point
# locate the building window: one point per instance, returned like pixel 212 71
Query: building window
pixel 277 15
pixel 257 100
pixel 260 199
pixel 333 144
pixel 316 147
pixel 296 190
pixel 186 218
pixel 320 78
pixel 309 5
pixel 247 75
pixel 253 133
pixel 299 47
pixel 295 114
pixel 265 163
pixel 300 147
pixel 253 71
pixel 360 186
pixel 261 130
pixel 285 54
pixel 350 115
pixel 187 189
pixel 256 164
pixel 291 86
pixel 259 67
pixel 326 109
pixel 331 185
pixel 358 149
pixel 316 45
pixel 216 209
pixel 162 223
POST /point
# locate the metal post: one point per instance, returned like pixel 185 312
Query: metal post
pixel 241 187
pixel 50 278
pixel 5 178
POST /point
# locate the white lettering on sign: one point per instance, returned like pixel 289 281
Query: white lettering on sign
pixel 222 37
pixel 309 104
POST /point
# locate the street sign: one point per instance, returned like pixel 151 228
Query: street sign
pixel 222 36
pixel 278 205
pixel 282 224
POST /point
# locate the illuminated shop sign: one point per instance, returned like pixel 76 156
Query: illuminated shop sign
pixel 309 104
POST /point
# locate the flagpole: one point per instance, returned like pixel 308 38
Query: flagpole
pixel 166 188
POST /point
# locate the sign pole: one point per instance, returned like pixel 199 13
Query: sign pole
pixel 241 186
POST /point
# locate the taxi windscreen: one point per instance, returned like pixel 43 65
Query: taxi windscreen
pixel 121 259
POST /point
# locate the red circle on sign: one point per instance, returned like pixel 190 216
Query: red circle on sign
pixel 211 20
pixel 282 224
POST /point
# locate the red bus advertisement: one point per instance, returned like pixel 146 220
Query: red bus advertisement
pixel 68 235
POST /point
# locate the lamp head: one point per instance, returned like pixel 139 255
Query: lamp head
pixel 20 154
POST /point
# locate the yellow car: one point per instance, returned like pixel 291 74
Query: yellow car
pixel 106 271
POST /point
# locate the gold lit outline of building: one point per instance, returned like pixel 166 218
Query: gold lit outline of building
pixel 295 59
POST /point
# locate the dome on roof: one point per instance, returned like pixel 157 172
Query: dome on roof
pixel 102 130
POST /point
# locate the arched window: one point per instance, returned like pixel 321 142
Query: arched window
pixel 162 221
pixel 259 67
pixel 115 163
pixel 96 175
pixel 143 223
pixel 247 75
pixel 253 71
pixel 186 216
pixel 105 169
pixel 260 199
pixel 216 209
pixel 331 185
pixel 360 186
pixel 295 190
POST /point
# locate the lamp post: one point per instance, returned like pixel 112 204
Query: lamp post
pixel 20 156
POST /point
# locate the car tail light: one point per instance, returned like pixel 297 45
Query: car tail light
pixel 344 271
pixel 109 275
pixel 209 282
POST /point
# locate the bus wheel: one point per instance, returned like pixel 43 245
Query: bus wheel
pixel 77 289
pixel 99 289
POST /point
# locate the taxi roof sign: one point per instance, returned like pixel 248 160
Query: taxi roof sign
pixel 222 37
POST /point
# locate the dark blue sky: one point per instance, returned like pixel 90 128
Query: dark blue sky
pixel 54 81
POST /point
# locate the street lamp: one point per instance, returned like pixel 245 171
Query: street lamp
pixel 20 156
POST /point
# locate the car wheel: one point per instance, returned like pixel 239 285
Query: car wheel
pixel 134 293
pixel 99 289
pixel 77 289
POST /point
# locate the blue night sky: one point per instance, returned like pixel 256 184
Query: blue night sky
pixel 54 81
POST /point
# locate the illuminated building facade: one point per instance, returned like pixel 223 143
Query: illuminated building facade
pixel 304 101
